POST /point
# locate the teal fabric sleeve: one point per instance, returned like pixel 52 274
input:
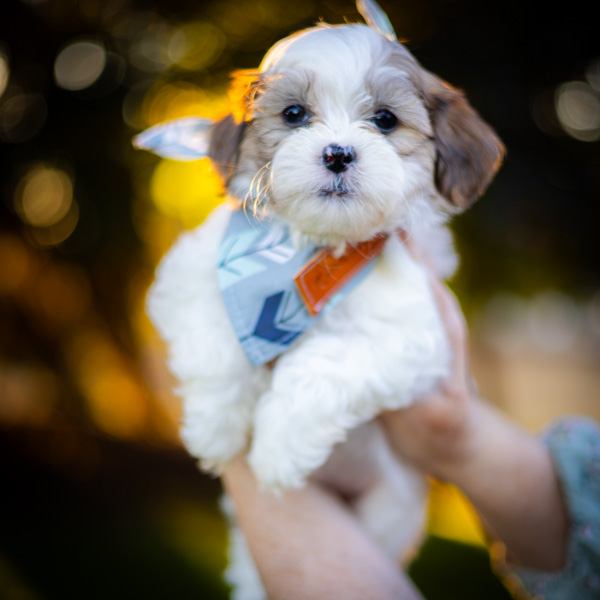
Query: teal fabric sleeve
pixel 574 443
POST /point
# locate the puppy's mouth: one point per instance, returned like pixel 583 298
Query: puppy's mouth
pixel 337 190
pixel 333 192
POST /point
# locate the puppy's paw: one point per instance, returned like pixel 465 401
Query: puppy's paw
pixel 276 471
pixel 289 443
pixel 214 439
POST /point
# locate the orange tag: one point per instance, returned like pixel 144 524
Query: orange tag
pixel 325 275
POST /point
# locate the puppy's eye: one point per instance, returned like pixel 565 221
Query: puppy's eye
pixel 385 120
pixel 295 115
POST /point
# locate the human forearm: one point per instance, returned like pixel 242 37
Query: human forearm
pixel 307 545
pixel 509 477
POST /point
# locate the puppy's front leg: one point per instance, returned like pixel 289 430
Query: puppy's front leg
pixel 298 421
pixel 218 385
pixel 217 416
pixel 379 349
pixel 320 390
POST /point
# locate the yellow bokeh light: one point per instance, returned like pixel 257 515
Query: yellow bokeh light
pixel 196 45
pixel 153 364
pixel 187 191
pixel 61 295
pixel 58 233
pixel 195 530
pixel 16 264
pixel 30 394
pixel 44 196
pixel 22 117
pixel 182 99
pixel 157 232
pixel 452 516
pixel 117 402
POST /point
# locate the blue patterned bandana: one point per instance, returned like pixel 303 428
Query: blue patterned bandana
pixel 256 270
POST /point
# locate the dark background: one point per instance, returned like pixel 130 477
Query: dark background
pixel 97 497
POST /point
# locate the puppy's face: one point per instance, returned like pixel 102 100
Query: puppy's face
pixel 345 136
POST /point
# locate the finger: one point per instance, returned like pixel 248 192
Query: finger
pixel 454 323
pixel 452 316
pixel 418 253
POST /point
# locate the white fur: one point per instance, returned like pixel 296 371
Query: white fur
pixel 379 349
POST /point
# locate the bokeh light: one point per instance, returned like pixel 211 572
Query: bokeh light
pixel 80 64
pixel 452 516
pixel 502 321
pixel 115 400
pixel 250 25
pixel 56 234
pixel 4 71
pixel 550 322
pixel 63 296
pixel 186 191
pixel 29 396
pixel 22 116
pixel 195 45
pixel 555 321
pixel 16 264
pixel 592 74
pixel 44 196
pixel 594 314
pixel 578 109
pixel 44 200
pixel 181 99
pixel 148 51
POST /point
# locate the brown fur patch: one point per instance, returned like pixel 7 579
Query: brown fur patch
pixel 225 139
pixel 468 150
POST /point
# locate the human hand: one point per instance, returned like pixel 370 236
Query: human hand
pixel 435 432
pixel 506 473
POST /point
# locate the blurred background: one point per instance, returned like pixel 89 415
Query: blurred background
pixel 98 499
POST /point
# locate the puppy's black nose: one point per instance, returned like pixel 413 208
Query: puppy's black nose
pixel 337 158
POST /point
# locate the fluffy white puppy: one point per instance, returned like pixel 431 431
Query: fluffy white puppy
pixel 342 137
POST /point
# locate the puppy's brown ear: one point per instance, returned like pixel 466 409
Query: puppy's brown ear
pixel 226 135
pixel 225 139
pixel 468 151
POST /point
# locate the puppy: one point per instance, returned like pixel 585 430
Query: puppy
pixel 341 139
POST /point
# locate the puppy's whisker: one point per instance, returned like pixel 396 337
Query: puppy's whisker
pixel 259 184
pixel 264 170
pixel 255 190
pixel 264 194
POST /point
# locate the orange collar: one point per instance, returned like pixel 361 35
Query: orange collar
pixel 324 275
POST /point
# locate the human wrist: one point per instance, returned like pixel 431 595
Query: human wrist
pixel 493 449
pixel 456 455
pixel 509 477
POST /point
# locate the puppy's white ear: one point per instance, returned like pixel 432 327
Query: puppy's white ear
pixel 181 139
pixel 376 18
pixel 468 151
pixel 192 138
pixel 225 138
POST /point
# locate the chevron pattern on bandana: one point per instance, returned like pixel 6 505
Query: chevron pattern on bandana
pixel 257 265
